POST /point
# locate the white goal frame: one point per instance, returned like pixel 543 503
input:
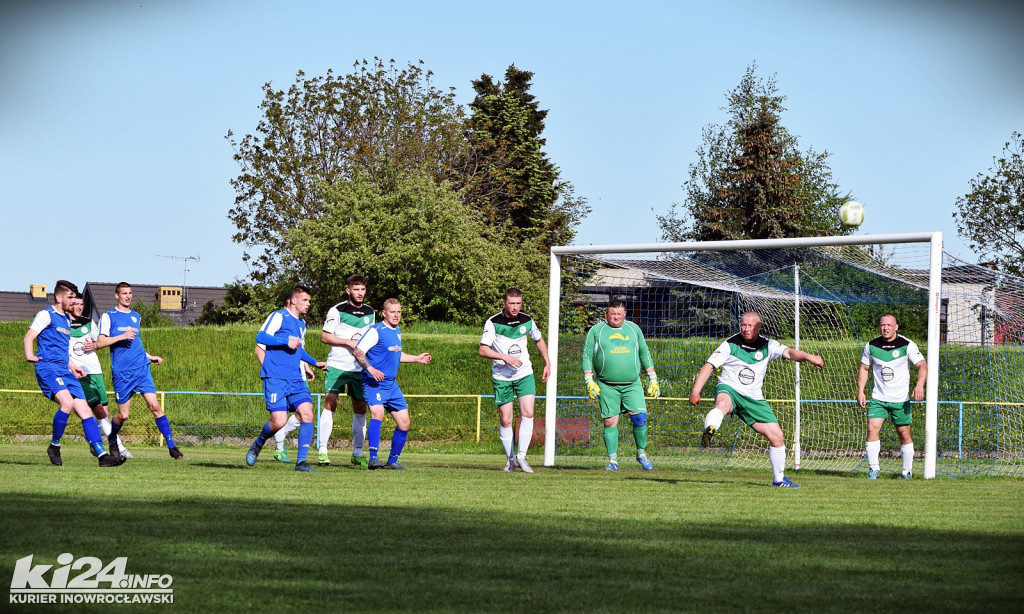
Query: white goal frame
pixel 934 307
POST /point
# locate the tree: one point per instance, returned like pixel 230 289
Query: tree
pixel 379 122
pixel 751 181
pixel 510 178
pixel 991 215
pixel 418 242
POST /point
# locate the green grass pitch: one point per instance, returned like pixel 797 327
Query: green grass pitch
pixel 454 533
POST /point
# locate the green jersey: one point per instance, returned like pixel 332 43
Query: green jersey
pixel 615 355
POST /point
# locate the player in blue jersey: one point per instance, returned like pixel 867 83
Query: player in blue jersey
pixel 379 352
pixel 120 328
pixel 58 377
pixel 283 335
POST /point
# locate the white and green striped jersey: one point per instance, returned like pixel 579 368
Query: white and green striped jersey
pixel 82 331
pixel 744 363
pixel 890 364
pixel 347 321
pixel 507 335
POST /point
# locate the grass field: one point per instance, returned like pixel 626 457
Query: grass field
pixel 454 533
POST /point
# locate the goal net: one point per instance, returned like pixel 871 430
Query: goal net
pixel 824 296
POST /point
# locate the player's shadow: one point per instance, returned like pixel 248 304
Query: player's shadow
pixel 7 461
pixel 239 465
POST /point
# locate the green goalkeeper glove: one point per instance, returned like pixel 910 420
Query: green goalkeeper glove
pixel 592 388
pixel 653 389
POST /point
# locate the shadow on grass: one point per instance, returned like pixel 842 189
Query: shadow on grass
pixel 241 554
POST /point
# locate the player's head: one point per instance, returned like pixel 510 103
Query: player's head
pixel 77 305
pixel 299 299
pixel 355 287
pixel 616 312
pixel 392 312
pixel 513 302
pixel 64 293
pixel 123 294
pixel 887 325
pixel 750 325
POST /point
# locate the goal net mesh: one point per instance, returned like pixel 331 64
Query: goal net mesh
pixel 824 300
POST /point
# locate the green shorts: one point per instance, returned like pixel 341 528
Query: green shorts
pixel 618 399
pixel 747 409
pixel 506 392
pixel 337 381
pixel 95 389
pixel 899 412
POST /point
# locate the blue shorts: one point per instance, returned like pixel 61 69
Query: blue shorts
pixel 130 381
pixel 386 393
pixel 285 395
pixel 52 379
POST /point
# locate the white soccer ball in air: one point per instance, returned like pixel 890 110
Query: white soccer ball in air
pixel 851 214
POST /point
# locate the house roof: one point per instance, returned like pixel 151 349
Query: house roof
pixel 21 305
pixel 99 297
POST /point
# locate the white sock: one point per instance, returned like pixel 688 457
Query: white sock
pixel 358 433
pixel 105 426
pixel 323 430
pixel 525 436
pixel 714 418
pixel 873 447
pixel 777 456
pixel 289 426
pixel 505 435
pixel 907 451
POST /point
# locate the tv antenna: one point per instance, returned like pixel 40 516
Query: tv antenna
pixel 185 260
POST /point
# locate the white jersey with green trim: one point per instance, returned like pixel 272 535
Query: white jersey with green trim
pixel 890 365
pixel 744 363
pixel 83 331
pixel 507 335
pixel 347 321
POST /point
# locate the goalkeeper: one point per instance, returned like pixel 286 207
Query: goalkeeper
pixel 613 353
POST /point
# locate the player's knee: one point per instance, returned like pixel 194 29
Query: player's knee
pixel 638 420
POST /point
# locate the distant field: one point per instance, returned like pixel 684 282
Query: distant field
pixel 454 533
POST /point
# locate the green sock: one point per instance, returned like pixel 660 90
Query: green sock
pixel 611 441
pixel 640 435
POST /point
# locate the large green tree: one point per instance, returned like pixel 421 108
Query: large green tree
pixel 378 122
pixel 751 181
pixel 509 178
pixel 991 215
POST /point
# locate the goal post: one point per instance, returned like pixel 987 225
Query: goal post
pixel 732 290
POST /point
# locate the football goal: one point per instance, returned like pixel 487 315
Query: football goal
pixel 822 295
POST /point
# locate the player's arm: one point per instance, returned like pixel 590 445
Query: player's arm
pixel 105 339
pixel 333 340
pixel 862 380
pixel 542 349
pixel 653 387
pixel 260 352
pixel 801 356
pixel 366 342
pixel 154 359
pixel 922 377
pixel 698 383
pixel 488 352
pixel 423 358
pixel 29 343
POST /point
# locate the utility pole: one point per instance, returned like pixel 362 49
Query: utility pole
pixel 184 275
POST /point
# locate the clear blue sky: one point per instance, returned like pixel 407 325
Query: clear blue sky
pixel 113 113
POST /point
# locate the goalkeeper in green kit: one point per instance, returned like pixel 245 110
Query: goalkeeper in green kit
pixel 613 353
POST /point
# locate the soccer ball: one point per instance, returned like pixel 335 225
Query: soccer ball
pixel 851 214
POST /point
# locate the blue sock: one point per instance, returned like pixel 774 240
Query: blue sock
pixel 93 435
pixel 115 428
pixel 265 434
pixel 397 443
pixel 164 427
pixel 60 422
pixel 373 437
pixel 305 438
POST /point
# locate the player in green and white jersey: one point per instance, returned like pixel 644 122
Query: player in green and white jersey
pixel 504 342
pixel 613 354
pixel 82 352
pixel 744 360
pixel 889 357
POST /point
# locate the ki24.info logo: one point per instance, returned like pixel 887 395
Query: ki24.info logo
pixel 86 580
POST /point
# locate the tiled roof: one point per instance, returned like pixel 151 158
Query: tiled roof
pixel 99 297
pixel 21 305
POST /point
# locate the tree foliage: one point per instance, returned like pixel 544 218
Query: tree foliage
pixel 991 215
pixel 751 181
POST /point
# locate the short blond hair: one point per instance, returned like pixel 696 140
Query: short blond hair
pixel 391 301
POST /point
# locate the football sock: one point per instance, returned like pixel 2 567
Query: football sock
pixel 282 434
pixel 907 451
pixel 873 448
pixel 505 435
pixel 639 431
pixel 104 425
pixel 92 435
pixel 265 434
pixel 611 441
pixel 115 428
pixel 525 435
pixel 358 433
pixel 373 437
pixel 324 428
pixel 164 426
pixel 714 418
pixel 60 422
pixel 397 443
pixel 777 456
pixel 305 439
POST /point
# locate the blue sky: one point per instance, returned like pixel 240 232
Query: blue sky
pixel 113 113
